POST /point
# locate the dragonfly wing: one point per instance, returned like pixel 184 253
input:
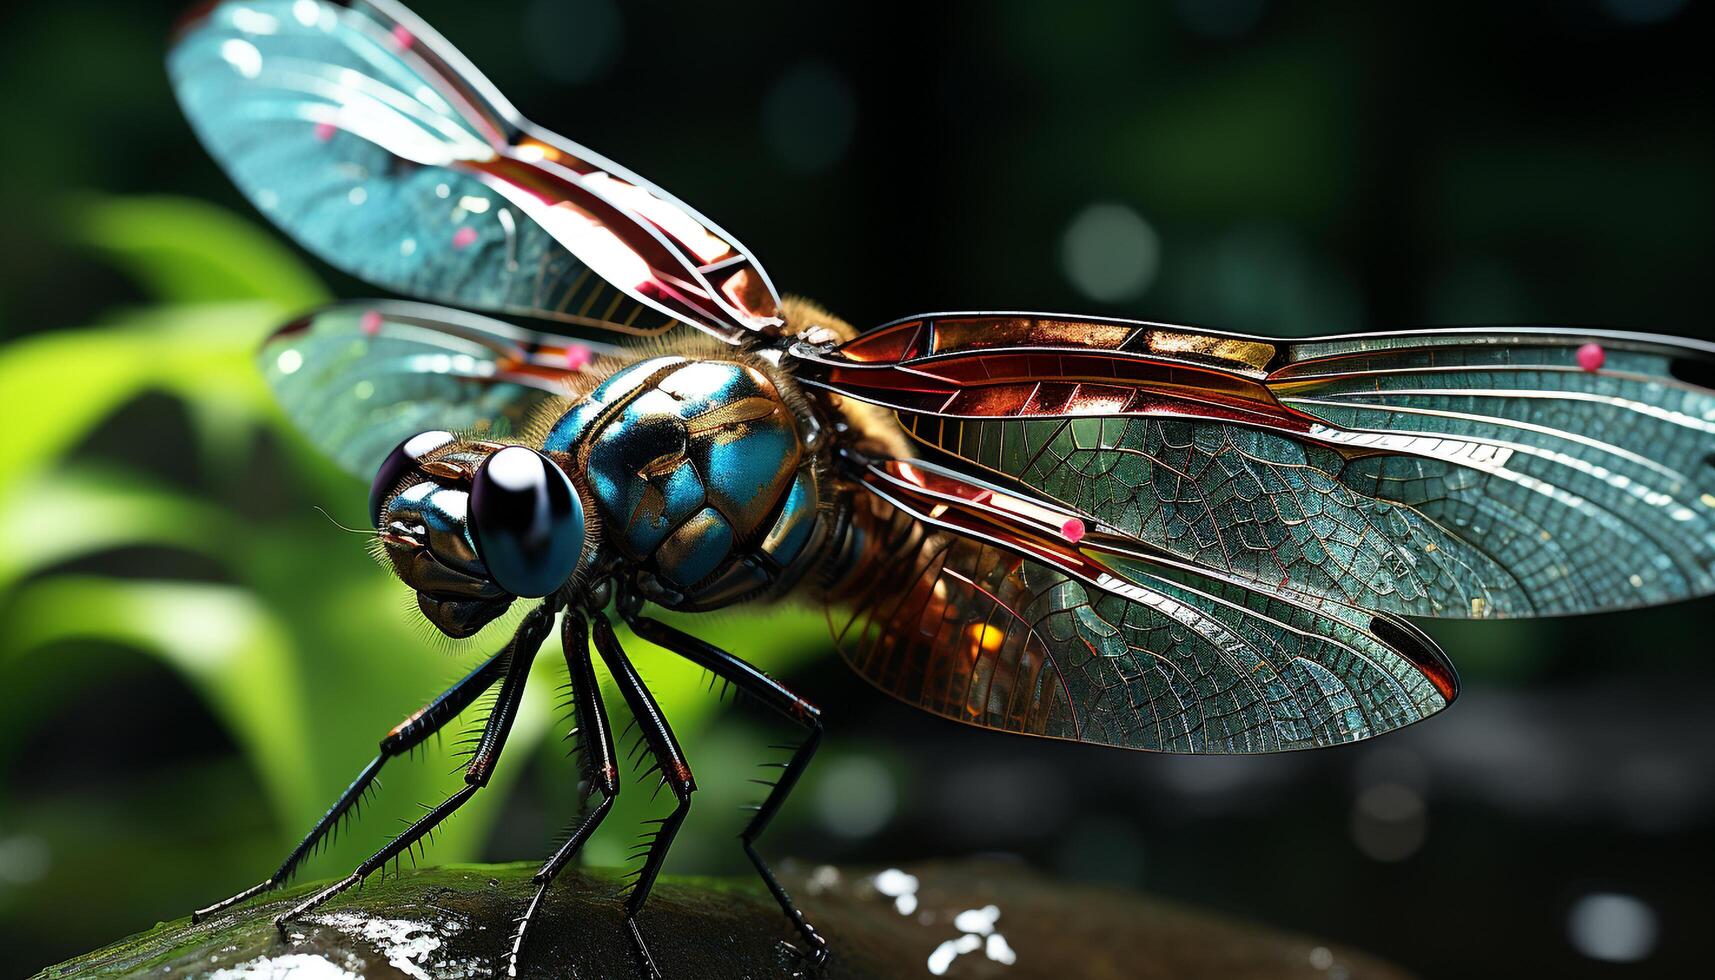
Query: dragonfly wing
pixel 358 378
pixel 364 135
pixel 989 623
pixel 1473 473
pixel 1593 488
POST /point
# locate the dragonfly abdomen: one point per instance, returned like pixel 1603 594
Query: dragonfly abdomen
pixel 700 471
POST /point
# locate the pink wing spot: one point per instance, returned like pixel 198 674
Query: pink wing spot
pixel 402 37
pixel 325 131
pixel 1591 357
pixel 579 357
pixel 1072 530
pixel 464 237
pixel 370 323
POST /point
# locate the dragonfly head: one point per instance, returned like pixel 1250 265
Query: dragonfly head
pixel 472 525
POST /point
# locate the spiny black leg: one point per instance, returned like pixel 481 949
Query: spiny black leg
pixel 669 761
pixel 520 652
pixel 776 696
pixel 405 736
pixel 601 768
pixel 394 848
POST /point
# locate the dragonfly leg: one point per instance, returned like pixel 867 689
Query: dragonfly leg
pixel 520 652
pixel 669 761
pixel 601 768
pixel 777 697
pixel 404 737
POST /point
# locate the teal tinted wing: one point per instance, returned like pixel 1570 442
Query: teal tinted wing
pixel 1591 485
pixel 1098 644
pixel 1443 473
pixel 1254 502
pixel 369 139
pixel 358 378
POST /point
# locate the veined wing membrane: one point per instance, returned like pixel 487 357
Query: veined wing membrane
pixel 364 135
pixel 990 621
pixel 1461 473
pixel 358 378
pixel 1595 489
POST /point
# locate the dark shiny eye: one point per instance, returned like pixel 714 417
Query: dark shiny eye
pixel 402 460
pixel 527 521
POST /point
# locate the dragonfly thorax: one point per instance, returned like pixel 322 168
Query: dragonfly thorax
pixel 700 473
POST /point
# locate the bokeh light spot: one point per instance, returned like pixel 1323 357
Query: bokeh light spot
pixel 855 796
pixel 1389 822
pixel 1101 848
pixel 1222 20
pixel 573 41
pixel 1612 927
pixel 1642 11
pixel 23 859
pixel 809 116
pixel 1110 253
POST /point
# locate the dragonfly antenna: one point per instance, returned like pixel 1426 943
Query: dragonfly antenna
pixel 342 527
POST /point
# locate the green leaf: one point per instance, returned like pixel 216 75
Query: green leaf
pixel 61 385
pixel 49 518
pixel 185 251
pixel 220 638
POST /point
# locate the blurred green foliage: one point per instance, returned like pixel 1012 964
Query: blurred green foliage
pixel 296 643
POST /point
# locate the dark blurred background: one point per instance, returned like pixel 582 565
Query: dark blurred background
pixel 194 662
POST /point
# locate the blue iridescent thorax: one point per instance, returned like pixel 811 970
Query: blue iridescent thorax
pixel 699 473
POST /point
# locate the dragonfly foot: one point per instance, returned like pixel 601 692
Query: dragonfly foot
pixel 642 949
pixel 804 963
pixel 312 903
pixel 221 906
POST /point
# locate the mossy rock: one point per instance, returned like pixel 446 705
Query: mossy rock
pixel 963 919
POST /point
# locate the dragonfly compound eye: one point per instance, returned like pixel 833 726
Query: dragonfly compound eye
pixel 527 520
pixel 399 464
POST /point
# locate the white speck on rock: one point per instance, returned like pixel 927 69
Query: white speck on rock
pixel 978 928
pixel 901 887
pixel 980 921
pixel 942 958
pixel 409 945
pixel 895 882
pixel 405 943
pixel 292 966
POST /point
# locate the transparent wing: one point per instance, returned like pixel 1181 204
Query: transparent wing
pixel 364 135
pixel 358 378
pixel 1462 473
pixel 976 615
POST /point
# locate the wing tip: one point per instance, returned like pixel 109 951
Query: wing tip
pixel 189 20
pixel 1424 653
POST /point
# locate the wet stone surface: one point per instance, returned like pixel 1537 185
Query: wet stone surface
pixel 954 919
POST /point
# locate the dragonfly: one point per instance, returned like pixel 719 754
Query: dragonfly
pixel 1132 534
